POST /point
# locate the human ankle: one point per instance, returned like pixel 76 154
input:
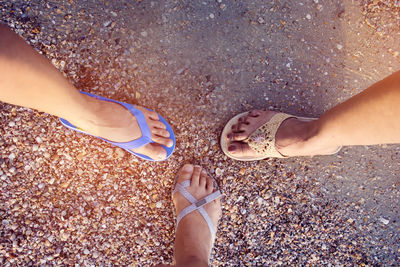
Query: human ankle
pixel 294 136
pixel 293 131
pixel 191 247
pixel 192 260
pixel 88 116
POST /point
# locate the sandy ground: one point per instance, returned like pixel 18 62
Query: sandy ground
pixel 71 199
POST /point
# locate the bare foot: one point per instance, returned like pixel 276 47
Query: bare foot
pixel 115 123
pixel 193 241
pixel 293 138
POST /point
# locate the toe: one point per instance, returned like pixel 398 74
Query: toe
pixel 185 172
pixel 160 132
pixel 162 140
pixel 157 124
pixel 196 176
pixel 159 152
pixel 148 113
pixel 251 120
pixel 240 148
pixel 153 150
pixel 255 113
pixel 243 127
pixel 153 115
pixel 235 127
pixel 209 183
pixel 243 130
pixel 243 119
pixel 237 136
pixel 203 181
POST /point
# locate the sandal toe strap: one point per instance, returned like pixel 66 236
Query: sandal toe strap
pixel 262 140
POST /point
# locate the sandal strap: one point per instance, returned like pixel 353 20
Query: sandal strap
pixel 196 205
pixel 146 133
pixel 262 140
pixel 141 120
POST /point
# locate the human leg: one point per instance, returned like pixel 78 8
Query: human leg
pixel 194 241
pixel 371 117
pixel 28 79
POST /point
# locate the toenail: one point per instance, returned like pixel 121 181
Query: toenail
pixel 229 136
pixel 231 148
pixel 188 168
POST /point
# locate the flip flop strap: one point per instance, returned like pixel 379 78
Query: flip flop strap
pixel 196 205
pixel 262 140
pixel 144 128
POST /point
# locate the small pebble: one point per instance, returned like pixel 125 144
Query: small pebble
pixel 64 236
pixel 120 152
pixel 108 210
pixel 140 241
pixel 219 171
pixel 384 221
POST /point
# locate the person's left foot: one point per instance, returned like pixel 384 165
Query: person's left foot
pixel 293 137
pixel 115 123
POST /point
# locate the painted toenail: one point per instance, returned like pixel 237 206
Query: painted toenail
pixel 231 148
pixel 229 136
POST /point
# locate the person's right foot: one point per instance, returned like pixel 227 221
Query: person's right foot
pixel 193 237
